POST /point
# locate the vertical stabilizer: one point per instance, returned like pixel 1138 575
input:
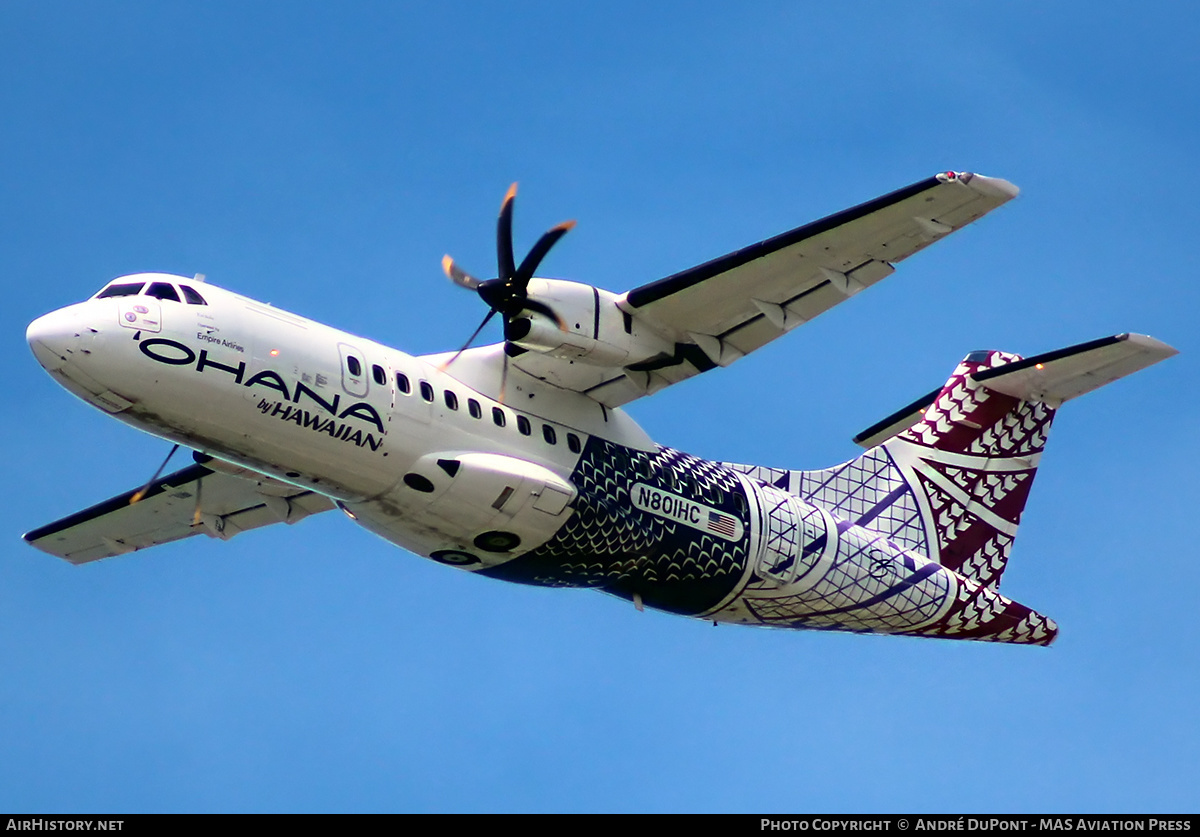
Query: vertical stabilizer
pixel 950 486
pixel 972 458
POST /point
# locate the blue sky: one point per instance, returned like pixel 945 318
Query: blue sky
pixel 324 157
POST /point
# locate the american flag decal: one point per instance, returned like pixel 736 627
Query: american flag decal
pixel 687 512
pixel 721 524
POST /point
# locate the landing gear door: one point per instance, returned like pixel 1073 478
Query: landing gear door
pixel 494 505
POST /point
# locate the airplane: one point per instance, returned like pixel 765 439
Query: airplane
pixel 516 460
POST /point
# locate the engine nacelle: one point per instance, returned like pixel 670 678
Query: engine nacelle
pixel 594 329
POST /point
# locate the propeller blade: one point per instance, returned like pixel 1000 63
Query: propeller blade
pixel 504 239
pixel 503 373
pixel 196 514
pixel 543 308
pixel 470 340
pixel 457 275
pixel 142 492
pixel 534 258
pixel 510 350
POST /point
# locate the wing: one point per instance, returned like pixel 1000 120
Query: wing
pixel 227 503
pixel 721 310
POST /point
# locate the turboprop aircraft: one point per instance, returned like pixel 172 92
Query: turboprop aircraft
pixel 517 461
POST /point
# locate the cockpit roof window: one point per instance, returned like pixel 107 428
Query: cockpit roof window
pixel 162 290
pixel 192 296
pixel 125 289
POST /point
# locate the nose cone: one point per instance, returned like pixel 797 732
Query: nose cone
pixel 54 338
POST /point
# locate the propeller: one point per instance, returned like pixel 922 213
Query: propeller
pixel 140 493
pixel 196 515
pixel 508 294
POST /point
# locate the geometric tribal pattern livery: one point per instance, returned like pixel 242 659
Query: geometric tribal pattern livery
pixel 612 545
pixel 950 489
pixel 794 565
pixel 837 576
pixel 973 456
pixel 830 574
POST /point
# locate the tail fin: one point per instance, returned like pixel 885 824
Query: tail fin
pixel 951 473
pixel 972 458
pixel 950 484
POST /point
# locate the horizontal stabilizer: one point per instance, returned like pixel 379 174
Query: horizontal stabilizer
pixel 1059 376
pixel 1050 378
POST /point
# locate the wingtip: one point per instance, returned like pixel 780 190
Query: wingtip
pixel 1150 344
pixel 996 187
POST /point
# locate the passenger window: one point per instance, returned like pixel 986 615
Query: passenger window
pixel 378 374
pixel 161 290
pixel 427 391
pixel 573 443
pixel 451 399
pixel 740 502
pixel 402 383
pixel 549 435
pixel 673 479
pixel 523 426
pixel 685 483
pixel 474 408
pixel 121 290
pixel 353 366
pixel 498 416
pixel 192 297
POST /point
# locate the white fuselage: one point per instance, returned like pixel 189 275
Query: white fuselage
pixel 329 411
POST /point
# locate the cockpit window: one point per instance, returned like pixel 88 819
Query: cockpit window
pixel 161 290
pixel 131 289
pixel 192 297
